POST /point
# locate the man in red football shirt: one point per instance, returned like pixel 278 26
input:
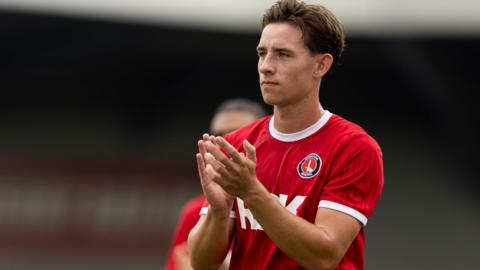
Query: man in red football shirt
pixel 229 116
pixel 293 190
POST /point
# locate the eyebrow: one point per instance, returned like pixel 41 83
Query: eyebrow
pixel 275 49
pixel 282 50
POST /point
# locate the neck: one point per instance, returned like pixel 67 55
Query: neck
pixel 297 117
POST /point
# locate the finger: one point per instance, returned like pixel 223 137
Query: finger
pixel 251 151
pixel 208 138
pixel 210 159
pixel 217 166
pixel 201 167
pixel 201 148
pixel 232 152
pixel 218 175
pixel 219 155
pixel 212 173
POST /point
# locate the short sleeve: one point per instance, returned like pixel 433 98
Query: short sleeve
pixel 356 179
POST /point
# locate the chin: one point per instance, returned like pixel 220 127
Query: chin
pixel 271 101
pixel 268 99
pixel 268 102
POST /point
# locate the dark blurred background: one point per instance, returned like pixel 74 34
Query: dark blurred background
pixel 99 120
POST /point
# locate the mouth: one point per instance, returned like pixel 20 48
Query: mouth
pixel 268 83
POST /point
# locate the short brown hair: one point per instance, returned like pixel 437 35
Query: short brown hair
pixel 322 32
pixel 241 105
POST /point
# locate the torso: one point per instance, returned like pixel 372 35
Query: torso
pixel 296 169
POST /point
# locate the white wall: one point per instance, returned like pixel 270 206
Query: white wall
pixel 362 17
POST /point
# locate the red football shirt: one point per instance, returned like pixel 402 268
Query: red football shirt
pixel 333 164
pixel 188 219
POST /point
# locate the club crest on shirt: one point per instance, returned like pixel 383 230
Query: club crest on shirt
pixel 309 166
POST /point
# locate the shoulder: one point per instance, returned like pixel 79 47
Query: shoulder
pixel 349 135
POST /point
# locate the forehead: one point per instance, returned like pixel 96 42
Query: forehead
pixel 283 35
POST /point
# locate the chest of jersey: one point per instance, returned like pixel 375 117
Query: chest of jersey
pixel 293 168
pixel 293 172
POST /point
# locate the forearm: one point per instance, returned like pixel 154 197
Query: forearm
pixel 310 245
pixel 209 241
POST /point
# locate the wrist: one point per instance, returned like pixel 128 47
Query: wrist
pixel 255 193
pixel 218 213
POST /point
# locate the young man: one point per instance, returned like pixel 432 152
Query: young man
pixel 296 189
pixel 229 116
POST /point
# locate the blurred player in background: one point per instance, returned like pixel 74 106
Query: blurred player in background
pixel 293 190
pixel 229 116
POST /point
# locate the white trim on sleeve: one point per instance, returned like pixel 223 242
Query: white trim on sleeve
pixel 204 211
pixel 345 209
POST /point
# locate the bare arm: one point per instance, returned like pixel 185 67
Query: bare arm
pixel 315 246
pixel 209 241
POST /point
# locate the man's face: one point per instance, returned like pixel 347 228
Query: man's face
pixel 227 122
pixel 285 66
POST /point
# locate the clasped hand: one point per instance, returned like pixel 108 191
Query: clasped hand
pixel 234 173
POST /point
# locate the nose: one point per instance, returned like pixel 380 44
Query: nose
pixel 266 65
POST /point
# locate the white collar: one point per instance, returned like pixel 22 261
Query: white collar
pixel 296 136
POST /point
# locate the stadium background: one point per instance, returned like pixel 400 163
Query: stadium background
pixel 100 115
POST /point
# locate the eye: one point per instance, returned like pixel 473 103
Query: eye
pixel 283 54
pixel 261 53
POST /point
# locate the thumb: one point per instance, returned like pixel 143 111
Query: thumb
pixel 251 152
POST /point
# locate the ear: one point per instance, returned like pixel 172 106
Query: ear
pixel 323 63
